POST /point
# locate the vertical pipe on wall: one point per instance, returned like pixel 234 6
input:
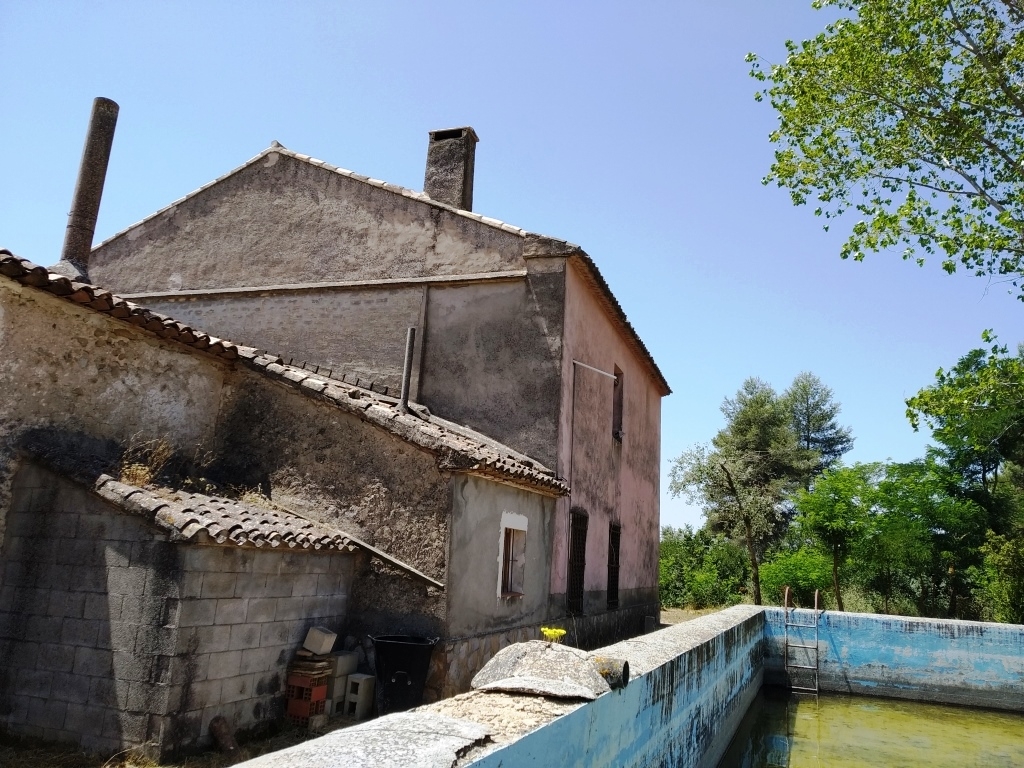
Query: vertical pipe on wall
pixel 410 345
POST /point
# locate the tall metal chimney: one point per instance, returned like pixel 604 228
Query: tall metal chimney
pixel 450 157
pixel 85 206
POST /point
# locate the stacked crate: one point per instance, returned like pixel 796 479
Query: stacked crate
pixel 344 664
pixel 306 692
pixel 308 678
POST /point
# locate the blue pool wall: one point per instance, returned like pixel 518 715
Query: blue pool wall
pixel 691 685
pixel 942 660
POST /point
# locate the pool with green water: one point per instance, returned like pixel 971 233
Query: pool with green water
pixel 845 731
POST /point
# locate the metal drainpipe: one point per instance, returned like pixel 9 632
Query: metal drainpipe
pixel 85 204
pixel 410 344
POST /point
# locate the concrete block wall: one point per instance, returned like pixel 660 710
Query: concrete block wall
pixel 374 319
pixel 111 636
pixel 943 660
pixel 88 614
pixel 243 614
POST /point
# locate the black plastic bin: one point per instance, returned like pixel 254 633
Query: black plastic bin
pixel 403 662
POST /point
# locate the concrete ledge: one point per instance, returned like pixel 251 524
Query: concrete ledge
pixel 397 741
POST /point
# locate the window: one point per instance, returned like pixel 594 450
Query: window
pixel 617 405
pixel 577 560
pixel 614 535
pixel 512 555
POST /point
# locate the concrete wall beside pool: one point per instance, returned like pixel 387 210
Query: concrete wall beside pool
pixel 957 662
pixel 691 685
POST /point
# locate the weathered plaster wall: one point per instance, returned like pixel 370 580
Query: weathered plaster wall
pixel 319 461
pixel 89 383
pixel 690 686
pixel 474 606
pixel 82 377
pixel 358 332
pixel 492 358
pixel 959 662
pixel 281 220
pixel 612 481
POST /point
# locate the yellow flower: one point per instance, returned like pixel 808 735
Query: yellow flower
pixel 552 634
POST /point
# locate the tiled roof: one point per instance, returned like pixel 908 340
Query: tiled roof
pixel 458 448
pixel 205 519
pixel 594 276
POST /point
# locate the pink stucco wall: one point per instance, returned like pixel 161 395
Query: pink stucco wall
pixel 614 482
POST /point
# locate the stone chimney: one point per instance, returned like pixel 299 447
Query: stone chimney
pixel 449 176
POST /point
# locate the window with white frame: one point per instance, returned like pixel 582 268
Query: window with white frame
pixel 512 555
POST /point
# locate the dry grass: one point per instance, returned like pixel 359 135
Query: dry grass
pixel 144 460
pixel 31 753
pixel 679 615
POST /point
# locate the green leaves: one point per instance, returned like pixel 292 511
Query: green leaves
pixel 911 113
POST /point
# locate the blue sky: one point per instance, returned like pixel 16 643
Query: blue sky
pixel 627 128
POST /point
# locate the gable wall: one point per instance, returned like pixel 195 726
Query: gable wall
pixel 284 221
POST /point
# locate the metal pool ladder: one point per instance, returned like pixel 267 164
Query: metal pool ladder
pixel 811 650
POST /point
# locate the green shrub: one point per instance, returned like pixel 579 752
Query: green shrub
pixel 803 571
pixel 698 569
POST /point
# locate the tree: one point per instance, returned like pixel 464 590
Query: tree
pixel 943 531
pixel 911 113
pixel 742 479
pixel 836 512
pixel 699 568
pixel 813 412
pixel 976 412
pixel 1003 582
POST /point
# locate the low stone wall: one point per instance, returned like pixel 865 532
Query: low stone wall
pixel 943 660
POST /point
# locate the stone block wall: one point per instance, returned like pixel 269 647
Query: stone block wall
pixel 243 614
pixel 111 636
pixel 88 618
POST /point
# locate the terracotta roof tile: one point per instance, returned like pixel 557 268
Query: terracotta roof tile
pixel 187 515
pixel 461 449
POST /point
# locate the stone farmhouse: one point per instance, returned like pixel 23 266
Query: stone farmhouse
pixel 519 488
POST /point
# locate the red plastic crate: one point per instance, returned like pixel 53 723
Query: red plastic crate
pixel 303 709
